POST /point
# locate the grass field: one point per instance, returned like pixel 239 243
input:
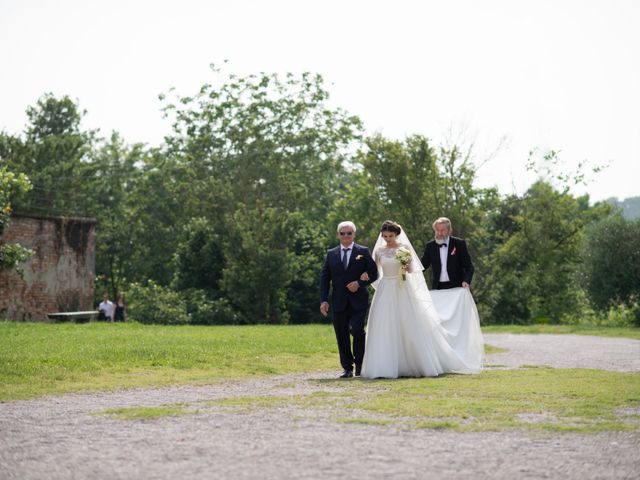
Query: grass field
pixel 40 359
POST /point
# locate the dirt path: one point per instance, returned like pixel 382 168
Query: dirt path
pixel 566 351
pixel 66 436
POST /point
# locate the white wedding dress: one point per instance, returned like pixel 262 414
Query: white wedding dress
pixel 412 334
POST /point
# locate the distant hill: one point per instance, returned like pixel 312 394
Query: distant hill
pixel 630 207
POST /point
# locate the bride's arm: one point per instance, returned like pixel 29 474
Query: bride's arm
pixel 365 276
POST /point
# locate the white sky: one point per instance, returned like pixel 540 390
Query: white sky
pixel 546 74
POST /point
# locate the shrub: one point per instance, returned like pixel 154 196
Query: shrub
pixel 203 310
pixel 617 315
pixel 153 303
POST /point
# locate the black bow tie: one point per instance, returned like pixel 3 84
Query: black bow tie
pixel 442 245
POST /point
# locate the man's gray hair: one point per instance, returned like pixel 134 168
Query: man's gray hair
pixel 440 220
pixel 346 224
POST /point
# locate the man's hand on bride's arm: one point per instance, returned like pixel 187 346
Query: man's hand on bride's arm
pixel 364 277
pixel 324 309
pixel 465 285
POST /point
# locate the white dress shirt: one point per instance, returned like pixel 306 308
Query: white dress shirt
pixel 107 308
pixel 444 275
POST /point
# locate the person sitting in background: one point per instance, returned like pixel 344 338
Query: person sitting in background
pixel 105 308
pixel 118 315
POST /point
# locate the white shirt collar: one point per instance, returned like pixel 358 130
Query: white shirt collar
pixel 350 246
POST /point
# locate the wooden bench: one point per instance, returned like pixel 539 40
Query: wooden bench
pixel 73 316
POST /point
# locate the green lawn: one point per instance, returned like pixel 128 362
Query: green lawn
pixel 38 359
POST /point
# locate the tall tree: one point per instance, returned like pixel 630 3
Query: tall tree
pixel 199 258
pixel 158 207
pixel 114 173
pixel 263 156
pixel 53 152
pixel 534 268
pixel 612 261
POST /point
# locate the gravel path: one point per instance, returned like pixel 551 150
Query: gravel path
pixel 67 437
pixel 566 351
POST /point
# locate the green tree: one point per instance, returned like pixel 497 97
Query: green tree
pixel 534 269
pixel 261 138
pixel 259 158
pixel 612 261
pixel 53 152
pixel 259 264
pixel 158 207
pixel 114 176
pixel 199 259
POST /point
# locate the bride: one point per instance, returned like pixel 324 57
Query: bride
pixel 406 337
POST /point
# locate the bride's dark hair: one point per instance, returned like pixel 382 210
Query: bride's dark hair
pixel 390 226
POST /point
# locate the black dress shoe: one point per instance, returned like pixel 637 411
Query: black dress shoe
pixel 347 374
pixel 358 369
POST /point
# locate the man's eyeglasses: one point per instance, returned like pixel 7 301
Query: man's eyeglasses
pixel 346 233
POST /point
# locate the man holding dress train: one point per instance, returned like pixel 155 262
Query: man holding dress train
pixel 448 258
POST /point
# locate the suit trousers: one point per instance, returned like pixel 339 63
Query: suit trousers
pixel 345 322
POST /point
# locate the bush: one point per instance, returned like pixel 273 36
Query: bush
pixel 203 310
pixel 634 313
pixel 617 315
pixel 620 315
pixel 153 303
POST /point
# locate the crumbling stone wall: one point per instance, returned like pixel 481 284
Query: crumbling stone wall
pixel 60 275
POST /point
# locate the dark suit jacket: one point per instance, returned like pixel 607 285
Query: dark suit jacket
pixel 334 275
pixel 459 266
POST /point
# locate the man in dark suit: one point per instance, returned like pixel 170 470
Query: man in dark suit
pixel 450 252
pixel 342 269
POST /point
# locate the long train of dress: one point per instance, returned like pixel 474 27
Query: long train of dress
pixel 416 333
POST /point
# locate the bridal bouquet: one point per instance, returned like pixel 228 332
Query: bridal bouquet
pixel 404 257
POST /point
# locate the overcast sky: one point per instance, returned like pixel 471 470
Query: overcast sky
pixel 543 74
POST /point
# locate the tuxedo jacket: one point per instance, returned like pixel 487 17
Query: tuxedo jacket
pixel 459 265
pixel 335 276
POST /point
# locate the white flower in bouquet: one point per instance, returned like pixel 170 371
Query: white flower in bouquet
pixel 404 257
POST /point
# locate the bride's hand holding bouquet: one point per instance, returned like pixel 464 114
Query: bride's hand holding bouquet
pixel 404 257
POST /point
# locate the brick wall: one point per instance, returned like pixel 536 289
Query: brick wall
pixel 60 275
